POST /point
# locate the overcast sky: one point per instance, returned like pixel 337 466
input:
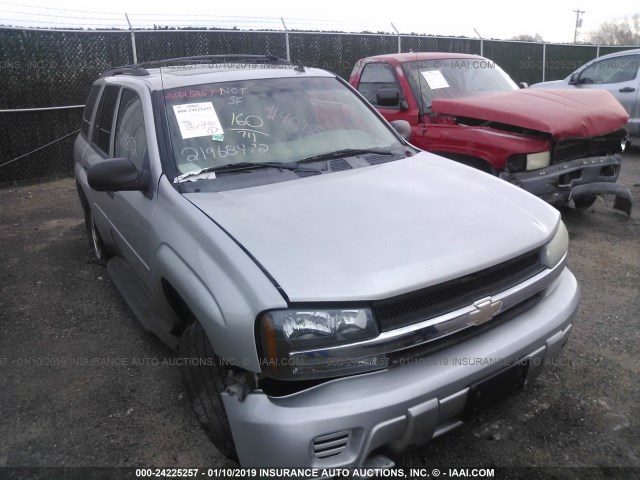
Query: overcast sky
pixel 554 20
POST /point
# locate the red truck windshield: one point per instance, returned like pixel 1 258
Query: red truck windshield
pixel 452 78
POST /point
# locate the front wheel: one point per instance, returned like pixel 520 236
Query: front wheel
pixel 204 379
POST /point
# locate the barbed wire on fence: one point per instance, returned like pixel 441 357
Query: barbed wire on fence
pixel 30 16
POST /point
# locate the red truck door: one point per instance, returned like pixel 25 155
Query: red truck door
pixel 377 75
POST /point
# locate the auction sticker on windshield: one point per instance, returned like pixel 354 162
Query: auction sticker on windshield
pixel 435 79
pixel 198 120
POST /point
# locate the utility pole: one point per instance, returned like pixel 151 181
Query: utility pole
pixel 578 12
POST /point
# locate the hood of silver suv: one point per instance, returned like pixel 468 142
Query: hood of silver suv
pixel 379 231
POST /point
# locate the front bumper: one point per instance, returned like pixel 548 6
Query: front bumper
pixel 559 184
pixel 399 406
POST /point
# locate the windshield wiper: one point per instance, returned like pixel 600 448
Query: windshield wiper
pixel 295 166
pixel 250 165
pixel 242 166
pixel 347 152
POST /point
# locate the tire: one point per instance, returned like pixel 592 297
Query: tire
pixel 100 252
pixel 583 203
pixel 204 381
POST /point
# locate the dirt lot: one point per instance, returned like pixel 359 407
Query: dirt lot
pixel 82 384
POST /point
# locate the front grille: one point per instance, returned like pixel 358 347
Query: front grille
pixel 331 445
pixel 410 355
pixel 588 147
pixel 430 302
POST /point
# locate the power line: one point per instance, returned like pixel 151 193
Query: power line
pixel 159 15
pixel 143 18
pixel 81 25
pixel 190 21
pixel 57 9
pixel 75 17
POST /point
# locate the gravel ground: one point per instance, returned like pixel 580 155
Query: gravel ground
pixel 82 384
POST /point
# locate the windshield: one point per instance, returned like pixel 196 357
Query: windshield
pixel 453 78
pixel 272 120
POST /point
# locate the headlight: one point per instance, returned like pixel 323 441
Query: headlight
pixel 538 160
pixel 554 251
pixel 296 343
pixel 529 161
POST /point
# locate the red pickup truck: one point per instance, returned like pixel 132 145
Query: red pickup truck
pixel 563 146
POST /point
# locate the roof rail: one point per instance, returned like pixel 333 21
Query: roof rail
pixel 134 70
pixel 140 69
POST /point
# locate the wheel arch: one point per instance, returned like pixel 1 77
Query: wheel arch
pixel 476 162
pixel 192 297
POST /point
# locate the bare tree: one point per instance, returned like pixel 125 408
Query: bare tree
pixel 528 38
pixel 625 32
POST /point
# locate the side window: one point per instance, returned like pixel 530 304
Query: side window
pixel 104 118
pixel 89 107
pixel 130 135
pixel 374 77
pixel 611 70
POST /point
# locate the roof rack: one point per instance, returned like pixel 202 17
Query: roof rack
pixel 140 69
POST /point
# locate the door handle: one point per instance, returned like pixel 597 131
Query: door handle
pixel 627 90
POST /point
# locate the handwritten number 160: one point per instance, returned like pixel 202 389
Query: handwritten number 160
pixel 242 120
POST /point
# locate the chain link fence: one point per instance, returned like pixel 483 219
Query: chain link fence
pixel 40 69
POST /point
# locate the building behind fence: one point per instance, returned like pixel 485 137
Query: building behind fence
pixel 45 75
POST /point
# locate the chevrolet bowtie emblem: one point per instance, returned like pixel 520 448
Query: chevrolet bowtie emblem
pixel 484 311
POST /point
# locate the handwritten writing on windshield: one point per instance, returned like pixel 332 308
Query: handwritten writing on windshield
pixel 200 154
pixel 247 126
pixel 274 113
pixel 207 92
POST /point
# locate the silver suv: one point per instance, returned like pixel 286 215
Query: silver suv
pixel 334 292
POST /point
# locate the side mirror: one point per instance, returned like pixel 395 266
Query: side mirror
pixel 388 97
pixel 523 85
pixel 573 79
pixel 117 174
pixel 403 128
